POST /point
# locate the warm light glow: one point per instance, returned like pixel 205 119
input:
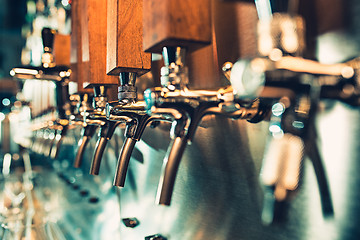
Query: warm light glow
pixel 274 128
pixel 23 71
pixel 62 74
pixel 6 164
pixel 275 54
pixel 347 72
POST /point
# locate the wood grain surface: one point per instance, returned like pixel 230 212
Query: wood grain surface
pixel 94 29
pixel 62 49
pixel 125 38
pixel 185 23
pixel 76 59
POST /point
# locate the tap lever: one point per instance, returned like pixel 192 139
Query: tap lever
pixel 280 173
pixel 47 150
pixel 47 36
pixel 292 138
pixel 47 57
pixel 155 237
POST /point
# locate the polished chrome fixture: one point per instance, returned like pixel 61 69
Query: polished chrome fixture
pixel 187 107
pixel 52 126
pixel 132 112
pixel 294 86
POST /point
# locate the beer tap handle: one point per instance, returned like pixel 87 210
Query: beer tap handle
pixel 88 133
pixel 47 58
pixel 47 35
pixel 181 32
pixel 106 132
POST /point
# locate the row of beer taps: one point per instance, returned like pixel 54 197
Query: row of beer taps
pixel 278 86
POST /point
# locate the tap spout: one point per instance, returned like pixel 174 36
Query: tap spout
pixel 60 135
pixel 88 133
pixel 52 135
pixel 169 170
pixel 312 150
pixel 105 134
pixel 133 133
pixel 47 143
pixel 187 116
pixel 123 161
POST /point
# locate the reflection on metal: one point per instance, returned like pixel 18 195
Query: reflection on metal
pixel 155 237
pixel 217 194
pixel 130 222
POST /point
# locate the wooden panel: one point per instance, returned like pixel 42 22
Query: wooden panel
pixel 8 85
pixel 184 23
pixel 125 38
pixel 112 93
pixel 94 43
pixel 233 37
pixel 77 66
pixel 62 49
pixel 84 63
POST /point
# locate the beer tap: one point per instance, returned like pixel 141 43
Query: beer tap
pixel 79 75
pixel 134 114
pixel 107 128
pixel 127 60
pixel 174 99
pixel 187 108
pixel 92 17
pixel 60 126
pixel 93 118
pixel 293 85
pixel 88 130
pixel 59 74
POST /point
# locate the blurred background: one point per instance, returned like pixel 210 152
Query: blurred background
pixel 219 193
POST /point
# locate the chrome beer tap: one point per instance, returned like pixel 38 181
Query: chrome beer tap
pixel 88 130
pixel 187 107
pixel 132 112
pixel 97 117
pixel 127 110
pixel 58 74
pixel 293 85
pixel 92 119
